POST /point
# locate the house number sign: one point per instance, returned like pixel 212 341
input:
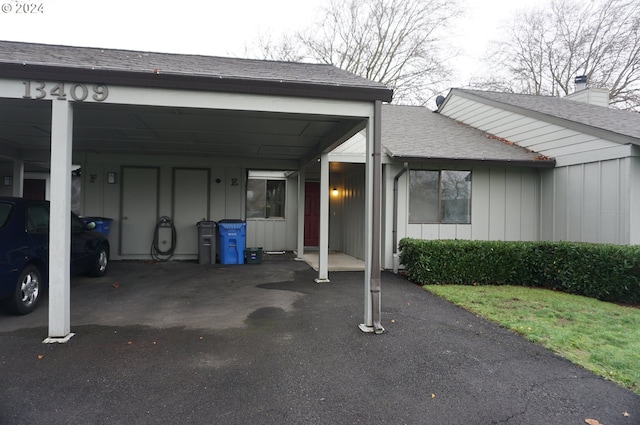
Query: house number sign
pixel 62 91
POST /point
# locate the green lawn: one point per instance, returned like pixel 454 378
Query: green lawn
pixel 599 336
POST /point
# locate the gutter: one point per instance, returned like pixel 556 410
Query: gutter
pixel 396 264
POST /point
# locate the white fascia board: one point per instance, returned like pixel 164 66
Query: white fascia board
pixel 19 89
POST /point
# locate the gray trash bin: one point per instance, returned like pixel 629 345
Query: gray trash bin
pixel 207 242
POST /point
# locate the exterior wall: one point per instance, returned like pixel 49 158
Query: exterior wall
pixel 634 204
pixel 277 234
pixel 591 202
pixel 593 194
pixel 6 169
pixel 593 96
pixel 546 138
pixel 504 206
pixel 353 224
pixel 226 199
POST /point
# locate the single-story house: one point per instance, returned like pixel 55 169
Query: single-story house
pixel 308 155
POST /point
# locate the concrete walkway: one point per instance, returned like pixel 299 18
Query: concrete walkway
pixel 180 343
pixel 337 261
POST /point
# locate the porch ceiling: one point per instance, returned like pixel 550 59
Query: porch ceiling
pixel 25 127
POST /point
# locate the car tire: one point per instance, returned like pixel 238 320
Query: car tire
pixel 101 261
pixel 28 291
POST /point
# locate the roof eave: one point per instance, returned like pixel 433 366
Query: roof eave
pixel 194 82
pixel 543 163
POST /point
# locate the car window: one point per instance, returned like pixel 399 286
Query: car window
pixel 5 212
pixel 37 218
pixel 76 224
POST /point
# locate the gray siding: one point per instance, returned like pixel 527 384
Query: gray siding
pixel 277 234
pixel 543 137
pixel 589 202
pixel 504 206
pixel 353 223
pixel 227 198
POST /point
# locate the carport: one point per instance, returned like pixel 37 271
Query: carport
pixel 64 105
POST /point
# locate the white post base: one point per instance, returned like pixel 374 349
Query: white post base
pixel 59 340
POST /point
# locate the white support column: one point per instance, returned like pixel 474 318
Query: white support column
pixel 60 223
pixel 367 325
pixel 323 252
pixel 301 202
pixel 18 178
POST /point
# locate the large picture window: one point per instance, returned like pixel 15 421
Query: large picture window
pixel 265 198
pixel 440 196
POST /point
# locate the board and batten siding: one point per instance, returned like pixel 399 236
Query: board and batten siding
pixel 353 208
pixel 592 202
pixel 504 206
pixel 593 194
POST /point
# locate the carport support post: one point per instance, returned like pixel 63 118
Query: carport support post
pixel 373 208
pixel 323 249
pixel 301 202
pixel 18 178
pixel 60 222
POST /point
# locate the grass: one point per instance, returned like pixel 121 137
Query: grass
pixel 599 336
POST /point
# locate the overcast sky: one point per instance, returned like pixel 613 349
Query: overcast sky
pixel 208 27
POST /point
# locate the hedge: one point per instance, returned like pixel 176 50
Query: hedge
pixel 602 271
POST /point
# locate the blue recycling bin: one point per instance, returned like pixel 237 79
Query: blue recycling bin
pixel 103 225
pixel 232 234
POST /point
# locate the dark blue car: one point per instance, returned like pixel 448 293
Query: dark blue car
pixel 24 252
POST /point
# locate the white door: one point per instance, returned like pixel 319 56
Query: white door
pixel 190 205
pixel 139 210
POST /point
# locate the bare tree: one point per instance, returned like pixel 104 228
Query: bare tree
pixel 546 48
pixel 395 42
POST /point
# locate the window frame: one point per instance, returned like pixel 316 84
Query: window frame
pixel 267 206
pixel 440 205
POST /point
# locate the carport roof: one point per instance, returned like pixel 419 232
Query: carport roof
pixel 419 134
pixel 148 69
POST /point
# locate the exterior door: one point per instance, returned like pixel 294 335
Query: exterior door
pixel 139 210
pixel 190 205
pixel 311 213
pixel 34 189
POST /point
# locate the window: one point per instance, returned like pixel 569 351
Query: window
pixel 265 198
pixel 440 196
pixel 37 218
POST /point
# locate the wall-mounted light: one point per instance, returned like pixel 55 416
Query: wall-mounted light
pixel 334 191
pixel 8 180
pixel 111 177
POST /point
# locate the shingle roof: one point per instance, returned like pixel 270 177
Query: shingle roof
pixel 624 123
pixel 153 65
pixel 418 133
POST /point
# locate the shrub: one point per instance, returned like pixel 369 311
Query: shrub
pixel 605 272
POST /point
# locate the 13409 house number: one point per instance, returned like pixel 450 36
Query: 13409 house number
pixel 61 91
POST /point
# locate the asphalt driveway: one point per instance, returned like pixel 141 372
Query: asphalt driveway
pixel 181 343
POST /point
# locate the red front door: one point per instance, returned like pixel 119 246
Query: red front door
pixel 311 213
